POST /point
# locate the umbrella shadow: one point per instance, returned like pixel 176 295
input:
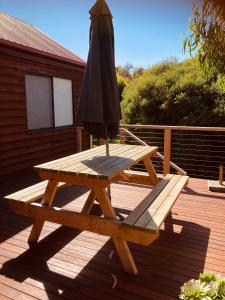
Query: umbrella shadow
pixel 104 165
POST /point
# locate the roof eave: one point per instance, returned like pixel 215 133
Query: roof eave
pixel 42 53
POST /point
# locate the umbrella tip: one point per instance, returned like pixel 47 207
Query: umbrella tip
pixel 100 8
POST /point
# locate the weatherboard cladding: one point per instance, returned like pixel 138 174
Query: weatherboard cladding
pixel 21 149
pixel 18 33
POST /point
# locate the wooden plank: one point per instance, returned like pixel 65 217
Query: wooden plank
pixel 151 171
pixel 87 154
pixel 74 161
pixel 158 218
pixel 137 177
pixel 146 203
pixel 73 179
pixel 40 143
pixel 91 223
pixel 130 162
pixel 155 205
pixel 26 191
pixel 167 151
pixel 92 164
pixel 104 202
pixel 37 62
pixel 25 163
pixel 117 165
pixel 126 152
pixel 125 256
pixel 13 293
pixel 34 156
pixel 60 162
pixel 120 244
pixel 68 162
pixel 188 128
pixel 89 203
pixel 115 150
pixel 98 165
pixel 31 193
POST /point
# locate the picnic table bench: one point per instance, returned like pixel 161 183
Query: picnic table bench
pixel 95 169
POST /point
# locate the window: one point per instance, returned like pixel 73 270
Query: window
pixel 49 102
pixel 62 90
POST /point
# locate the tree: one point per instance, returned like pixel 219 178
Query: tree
pixel 174 93
pixel 207 35
pixel 125 74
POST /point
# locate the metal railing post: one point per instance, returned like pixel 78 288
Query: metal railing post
pixel 167 151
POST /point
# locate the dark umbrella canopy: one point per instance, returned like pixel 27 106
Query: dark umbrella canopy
pixel 99 107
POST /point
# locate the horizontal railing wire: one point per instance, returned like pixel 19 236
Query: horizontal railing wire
pixel 199 153
pixel 152 138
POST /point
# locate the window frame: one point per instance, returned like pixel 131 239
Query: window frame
pixel 53 127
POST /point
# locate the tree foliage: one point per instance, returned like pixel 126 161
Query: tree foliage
pixel 176 94
pixel 207 35
pixel 125 74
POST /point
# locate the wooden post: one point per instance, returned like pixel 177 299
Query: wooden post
pixel 91 141
pixel 167 151
pixel 47 200
pixel 79 139
pixel 122 136
pixel 221 174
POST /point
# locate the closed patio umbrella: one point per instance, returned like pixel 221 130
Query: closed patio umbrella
pixel 99 107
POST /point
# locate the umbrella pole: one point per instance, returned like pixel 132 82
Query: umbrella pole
pixel 107 153
pixel 107 146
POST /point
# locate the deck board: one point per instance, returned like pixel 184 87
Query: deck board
pixel 69 264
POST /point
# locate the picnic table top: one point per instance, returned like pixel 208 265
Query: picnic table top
pixel 94 162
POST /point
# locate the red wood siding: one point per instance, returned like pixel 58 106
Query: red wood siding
pixel 19 148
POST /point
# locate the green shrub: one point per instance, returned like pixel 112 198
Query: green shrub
pixel 175 94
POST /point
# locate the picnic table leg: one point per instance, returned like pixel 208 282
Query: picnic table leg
pixel 46 200
pixel 125 256
pixel 89 203
pixel 121 245
pixel 151 171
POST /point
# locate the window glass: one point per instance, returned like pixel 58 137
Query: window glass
pixel 63 102
pixel 39 101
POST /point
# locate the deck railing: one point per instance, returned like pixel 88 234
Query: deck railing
pixel 198 151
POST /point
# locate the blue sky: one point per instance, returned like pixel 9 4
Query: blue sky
pixel 146 31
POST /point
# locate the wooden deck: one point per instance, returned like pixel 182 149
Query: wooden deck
pixel 69 264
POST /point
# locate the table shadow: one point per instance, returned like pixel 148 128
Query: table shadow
pixel 163 266
pixel 63 197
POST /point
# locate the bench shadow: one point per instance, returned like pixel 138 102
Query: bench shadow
pixel 84 270
pixel 63 197
pixel 209 195
pixel 163 266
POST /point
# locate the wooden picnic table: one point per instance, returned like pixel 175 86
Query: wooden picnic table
pixel 96 170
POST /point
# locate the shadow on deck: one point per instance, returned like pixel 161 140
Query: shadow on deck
pixel 69 264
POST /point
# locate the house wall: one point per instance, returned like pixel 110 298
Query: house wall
pixel 19 148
